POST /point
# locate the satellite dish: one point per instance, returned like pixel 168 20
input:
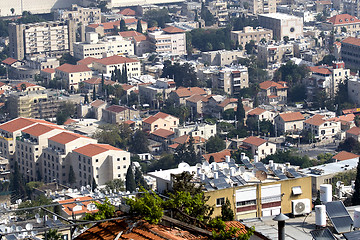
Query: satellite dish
pixel 261 175
pixel 198 165
pixel 37 215
pixel 242 169
pixel 29 226
pixel 339 183
pixel 226 171
pixel 19 228
pixel 13 228
pixel 38 220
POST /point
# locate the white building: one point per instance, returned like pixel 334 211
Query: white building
pixel 354 90
pixel 282 25
pixel 107 65
pixel 202 130
pixel 322 128
pixel 108 46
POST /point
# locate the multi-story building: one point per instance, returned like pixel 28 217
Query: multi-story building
pixel 79 14
pixel 350 52
pixel 114 26
pixel 273 93
pixel 321 128
pixel 342 23
pixel 275 53
pixel 140 41
pixel 354 90
pixel 107 65
pixel 154 94
pixel 219 10
pixel 249 33
pixel 170 40
pixel 259 147
pixel 160 121
pixel 261 6
pixel 34 104
pixel 282 25
pixel 328 78
pixel 73 75
pixel 289 122
pixel 116 114
pixel 221 57
pixel 351 7
pixel 41 39
pixel 232 80
pixel 202 130
pixel 108 46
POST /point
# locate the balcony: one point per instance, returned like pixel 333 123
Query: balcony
pixel 55 151
pixel 27 139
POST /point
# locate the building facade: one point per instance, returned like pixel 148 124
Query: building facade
pixel 350 48
pixel 249 33
pixel 171 40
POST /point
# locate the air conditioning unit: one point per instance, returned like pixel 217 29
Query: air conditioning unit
pixel 301 206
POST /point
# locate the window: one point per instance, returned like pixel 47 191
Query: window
pixel 244 203
pixel 124 158
pixel 220 201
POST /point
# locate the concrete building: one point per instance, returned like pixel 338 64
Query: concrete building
pixel 273 93
pixel 249 197
pixel 354 90
pixel 260 6
pixel 342 22
pixel 34 104
pixel 282 25
pixel 221 57
pixel 160 121
pixel 259 147
pixel 322 128
pixel 140 41
pixel 153 94
pixel 219 10
pixel 112 27
pixel 249 33
pixel 202 130
pixel 73 75
pixel 275 53
pixel 354 133
pixel 78 14
pixel 41 39
pixel 170 40
pixel 260 114
pixel 350 48
pixel 232 80
pixel 351 7
pixel 116 114
pixel 143 3
pixel 107 65
pixel 108 46
pixel 180 95
pixel 289 122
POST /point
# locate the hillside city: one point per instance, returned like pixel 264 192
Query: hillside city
pixel 174 119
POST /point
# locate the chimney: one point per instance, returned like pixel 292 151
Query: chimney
pixel 256 158
pixel 227 159
pixel 216 175
pixel 281 218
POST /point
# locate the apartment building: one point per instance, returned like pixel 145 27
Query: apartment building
pixel 259 147
pixel 73 75
pixel 219 10
pixel 351 7
pixel 171 40
pixel 289 122
pixel 107 65
pixel 160 121
pixel 140 41
pixel 232 80
pixel 116 114
pixel 153 94
pixel 41 39
pixel 342 22
pixel 275 53
pixel 282 25
pixel 273 93
pixel 108 46
pixel 221 57
pixel 328 78
pixel 354 90
pixel 261 6
pixel 112 27
pixel 350 52
pixel 322 128
pixel 249 33
pixel 80 15
pixel 202 130
pixel 34 104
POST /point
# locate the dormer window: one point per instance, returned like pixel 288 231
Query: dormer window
pixel 346 19
pixel 340 20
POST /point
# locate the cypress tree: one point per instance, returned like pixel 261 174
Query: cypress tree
pixel 86 99
pixel 356 195
pixel 139 26
pixel 125 75
pixel 130 183
pixel 227 213
pixel 102 82
pixel 122 25
pixel 240 112
pixel 139 179
pixel 211 159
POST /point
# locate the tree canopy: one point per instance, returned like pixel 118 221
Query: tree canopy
pixel 183 74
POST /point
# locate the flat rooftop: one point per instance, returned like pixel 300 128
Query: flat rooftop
pixel 331 168
pixel 280 16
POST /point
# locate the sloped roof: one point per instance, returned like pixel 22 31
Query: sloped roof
pixel 20 123
pixel 48 70
pixel 227 101
pixel 186 138
pixel 97 103
pixel 115 60
pixel 68 68
pixel 27 84
pixel 354 131
pixel 218 156
pixel 315 120
pixel 164 133
pixel 344 155
pixel 93 149
pixel 69 121
pixel 321 69
pixel 69 204
pixel 352 41
pixel 256 111
pixel 66 137
pixel 87 61
pixel 9 61
pixel 187 92
pixel 291 116
pixel 268 84
pixel 155 117
pixel 127 12
pixel 254 141
pixel 140 38
pixel 39 129
pixel 195 98
pixel 343 19
pixel 127 87
pixel 172 29
pixel 116 108
pixel 345 118
pixel 128 34
pixel 129 21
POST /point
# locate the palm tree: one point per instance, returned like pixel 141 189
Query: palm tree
pixel 12 10
pixel 158 99
pixel 23 87
pixel 53 234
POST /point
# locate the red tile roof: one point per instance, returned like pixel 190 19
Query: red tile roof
pixel 186 138
pixel 128 12
pixel 256 111
pixel 92 149
pixel 352 41
pixel 172 29
pixel 218 156
pixel 187 92
pixel 129 21
pixel 321 69
pixel 9 61
pixel 268 84
pixel 227 101
pixel 97 103
pixel 195 98
pixel 69 121
pixel 128 34
pixel 164 133
pixel 93 81
pixel 68 205
pixel 140 38
pixel 345 118
pixel 343 19
pixel 344 155
pixel 291 116
pixel 39 129
pixel 86 61
pixel 48 70
pixel 315 120
pixel 66 137
pixel 254 141
pixel 20 123
pixel 354 131
pixel 127 87
pixel 155 117
pixel 116 108
pixel 27 84
pixel 68 68
pixel 115 60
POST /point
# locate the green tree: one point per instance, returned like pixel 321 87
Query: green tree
pixel 17 184
pixel 207 16
pixel 343 30
pixel 211 159
pixel 53 234
pixel 94 93
pixel 240 112
pixel 106 211
pixel 65 111
pixel 123 27
pixel 183 75
pixel 139 142
pixel 139 179
pixel 356 195
pixel 250 47
pixel 286 39
pixel 139 26
pixel 349 145
pixel 182 182
pixel 130 183
pixel 215 144
pixel 115 185
pixel 157 17
pixel 86 98
pixel 289 156
pixel 12 10
pixel 227 214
